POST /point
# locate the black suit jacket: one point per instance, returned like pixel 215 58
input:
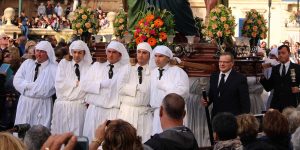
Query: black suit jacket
pixel 283 96
pixel 234 96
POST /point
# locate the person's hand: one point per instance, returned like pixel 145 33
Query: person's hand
pixel 295 90
pixel 100 131
pixel 99 136
pixel 55 142
pixel 204 102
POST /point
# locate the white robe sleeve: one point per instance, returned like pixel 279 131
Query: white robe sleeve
pixel 20 82
pixel 64 85
pixel 129 90
pixel 91 82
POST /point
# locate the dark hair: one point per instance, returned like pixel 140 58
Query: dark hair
pixel 225 126
pixel 174 106
pixel 36 136
pixel 248 127
pixel 275 125
pixel 228 54
pixel 286 46
pixel 260 145
pixel 121 135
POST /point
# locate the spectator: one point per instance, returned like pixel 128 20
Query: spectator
pixel 276 128
pixel 41 10
pixel 296 139
pixel 248 128
pixel 225 129
pixel 116 134
pixel 175 136
pixel 58 10
pixel 293 117
pixel 9 142
pixel 3 41
pixel 49 9
pixel 36 136
pixel 23 24
pixel 68 10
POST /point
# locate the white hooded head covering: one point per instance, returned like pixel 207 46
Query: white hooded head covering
pixel 161 49
pixel 145 46
pixel 274 51
pixel 46 46
pixel 121 49
pixel 79 46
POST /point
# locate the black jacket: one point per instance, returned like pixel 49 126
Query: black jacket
pixel 234 96
pixel 283 96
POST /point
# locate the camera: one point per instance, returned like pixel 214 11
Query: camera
pixel 82 143
pixel 21 129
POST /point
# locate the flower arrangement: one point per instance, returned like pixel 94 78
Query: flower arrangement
pixel 84 21
pixel 201 27
pixel 221 23
pixel 154 27
pixel 254 25
pixel 120 24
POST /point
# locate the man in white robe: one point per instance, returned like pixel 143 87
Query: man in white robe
pixel 69 107
pixel 102 84
pixel 165 79
pixel 135 94
pixel 35 81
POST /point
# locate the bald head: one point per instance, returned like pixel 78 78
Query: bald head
pixel 174 105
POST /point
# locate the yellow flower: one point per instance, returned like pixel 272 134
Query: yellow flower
pixel 254 16
pixel 255 28
pixel 227 32
pixel 87 25
pixel 254 34
pixel 223 19
pixel 219 34
pixel 226 26
pixel 121 20
pixel 214 26
pixel 81 11
pixel 84 17
pixel 218 10
pixel 259 22
pixel 214 18
pixel 121 27
pixel 247 27
pixel 80 31
pixel 90 30
pixel 249 21
pixel 210 34
pixel 78 25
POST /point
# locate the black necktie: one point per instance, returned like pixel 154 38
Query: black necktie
pixel 140 69
pixel 160 73
pixel 222 81
pixel 36 70
pixel 77 72
pixel 110 72
pixel 283 70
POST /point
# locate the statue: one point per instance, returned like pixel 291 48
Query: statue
pixel 75 5
pixel 110 29
pixel 9 14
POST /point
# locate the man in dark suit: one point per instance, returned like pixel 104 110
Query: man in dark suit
pixel 228 89
pixel 286 89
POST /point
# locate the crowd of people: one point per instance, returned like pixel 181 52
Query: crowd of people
pixel 53 16
pixel 62 93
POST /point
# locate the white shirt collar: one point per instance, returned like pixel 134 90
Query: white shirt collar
pixel 43 64
pixel 145 68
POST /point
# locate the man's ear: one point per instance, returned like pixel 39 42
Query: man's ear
pixel 161 111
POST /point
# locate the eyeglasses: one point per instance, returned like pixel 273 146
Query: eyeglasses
pixel 224 62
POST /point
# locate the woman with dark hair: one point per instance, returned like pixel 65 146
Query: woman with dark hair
pixel 276 129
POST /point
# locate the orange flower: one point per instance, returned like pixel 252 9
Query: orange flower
pixel 254 34
pixel 136 34
pixel 87 25
pixel 162 35
pixel 141 21
pixel 149 17
pixel 152 41
pixel 138 40
pixel 255 28
pixel 84 17
pixel 158 23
